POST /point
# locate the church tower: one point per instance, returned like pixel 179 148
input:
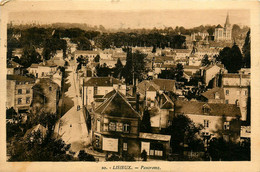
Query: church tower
pixel 227 29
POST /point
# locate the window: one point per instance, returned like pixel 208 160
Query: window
pixel 124 146
pixel 20 91
pixel 119 127
pixel 19 101
pixel 97 140
pixel 206 123
pixel 226 101
pixel 216 95
pixel 226 125
pixel 98 125
pixel 112 126
pixel 27 100
pixel 156 149
pixel 50 88
pixel 126 128
pixel 227 92
pixel 89 91
pixel 42 73
pixel 245 92
pixel 206 109
pixel 28 90
pixel 238 93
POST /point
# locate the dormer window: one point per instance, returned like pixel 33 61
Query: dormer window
pixel 206 109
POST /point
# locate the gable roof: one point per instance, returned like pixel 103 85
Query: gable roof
pixel 168 103
pixel 102 81
pixel 148 86
pixel 165 84
pixel 210 94
pixel 117 105
pixel 219 26
pixel 196 108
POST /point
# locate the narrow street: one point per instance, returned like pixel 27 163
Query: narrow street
pixel 72 125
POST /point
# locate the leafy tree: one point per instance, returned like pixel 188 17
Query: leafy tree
pixel 97 58
pixel 29 56
pixel 118 69
pixel 231 58
pixel 205 61
pixel 184 132
pixel 175 73
pixel 135 66
pixel 103 70
pixel 146 122
pixel 246 51
pixel 83 156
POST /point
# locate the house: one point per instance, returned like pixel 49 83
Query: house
pixel 46 94
pixel 19 92
pixel 182 53
pixel 90 55
pixel 209 72
pixel 97 87
pixel 212 116
pixel 58 59
pixel 215 95
pixel 150 88
pixel 194 60
pixel 162 113
pixel 237 90
pixel 14 68
pixel 115 128
pixel 192 69
pixel 43 70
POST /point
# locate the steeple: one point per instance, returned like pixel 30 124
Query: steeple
pixel 227 23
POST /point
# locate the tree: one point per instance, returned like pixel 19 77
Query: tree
pixel 184 132
pixel 146 122
pixel 29 56
pixel 231 58
pixel 118 69
pixel 83 156
pixel 246 51
pixel 135 66
pixel 175 73
pixel 97 58
pixel 205 61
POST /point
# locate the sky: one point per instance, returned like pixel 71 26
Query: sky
pixel 134 18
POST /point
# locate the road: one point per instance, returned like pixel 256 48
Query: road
pixel 72 125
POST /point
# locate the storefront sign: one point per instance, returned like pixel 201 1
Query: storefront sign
pixel 110 144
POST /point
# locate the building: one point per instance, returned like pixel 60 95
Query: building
pixel 46 94
pixel 215 95
pixel 115 128
pixel 194 60
pixel 212 116
pixel 182 53
pixel 97 87
pixel 162 113
pixel 90 55
pixel 14 68
pixel 19 92
pixel 209 72
pixel 149 88
pixel 43 70
pixel 237 90
pixel 223 33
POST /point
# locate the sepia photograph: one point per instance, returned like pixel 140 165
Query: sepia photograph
pixel 128 85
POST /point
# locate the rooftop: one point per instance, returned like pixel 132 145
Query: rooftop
pixel 210 94
pixel 196 108
pixel 19 78
pixel 102 81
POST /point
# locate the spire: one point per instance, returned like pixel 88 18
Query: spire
pixel 227 23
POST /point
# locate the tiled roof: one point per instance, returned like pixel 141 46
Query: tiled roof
pixel 152 136
pixel 19 78
pixel 102 81
pixel 165 84
pixel 144 85
pixel 210 94
pixel 196 108
pixel 117 105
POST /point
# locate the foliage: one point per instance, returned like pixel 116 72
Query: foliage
pixel 118 69
pixel 219 149
pixel 231 58
pixel 184 132
pixel 205 61
pixel 83 156
pixel 29 56
pixel 175 73
pixel 103 70
pixel 246 51
pixel 146 122
pixel 113 157
pixel 97 58
pixel 135 66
